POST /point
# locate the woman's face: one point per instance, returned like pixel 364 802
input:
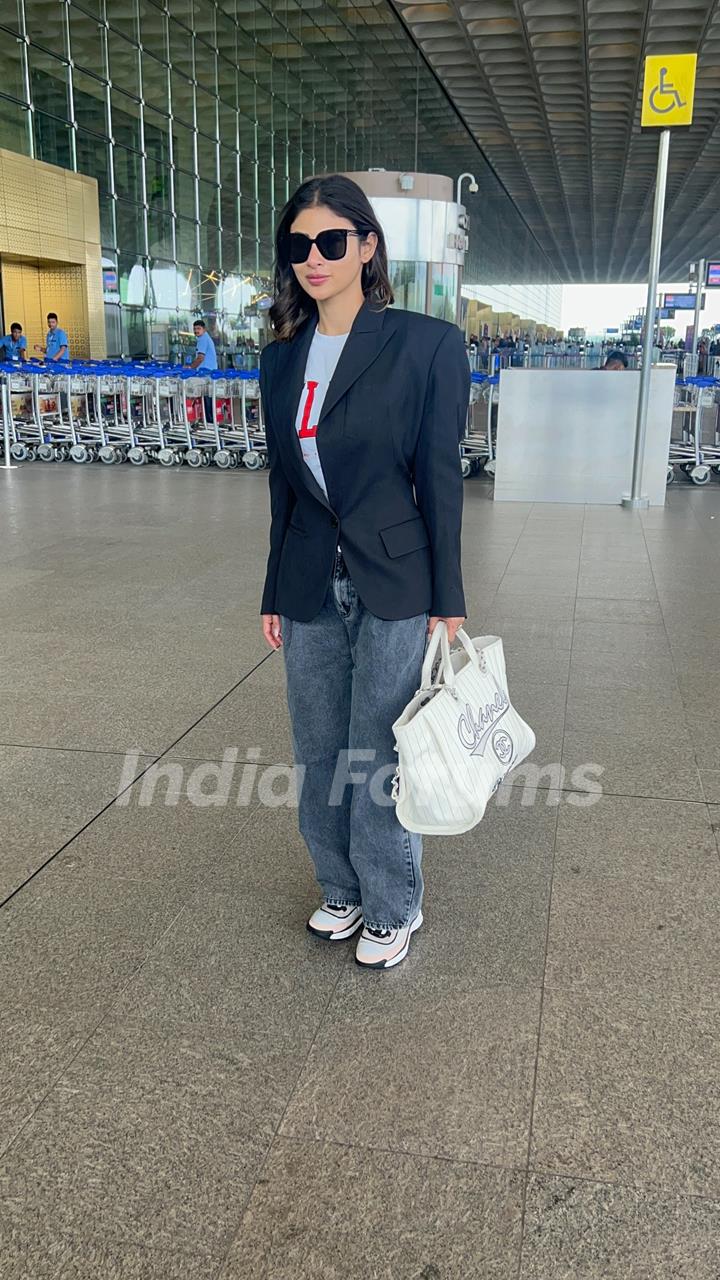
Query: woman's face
pixel 319 277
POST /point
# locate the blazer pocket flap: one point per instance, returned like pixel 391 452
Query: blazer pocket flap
pixel 409 535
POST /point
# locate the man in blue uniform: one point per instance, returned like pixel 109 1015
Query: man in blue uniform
pixel 205 353
pixel 14 345
pixel 205 359
pixel 56 344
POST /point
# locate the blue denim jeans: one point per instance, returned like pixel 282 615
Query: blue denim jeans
pixel 349 676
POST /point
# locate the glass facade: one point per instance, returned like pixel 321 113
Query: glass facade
pixel 198 119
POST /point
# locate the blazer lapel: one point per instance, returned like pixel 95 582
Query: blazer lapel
pixel 366 340
pixel 286 398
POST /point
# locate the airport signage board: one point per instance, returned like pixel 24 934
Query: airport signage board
pixel 712 278
pixel 668 90
pixel 679 301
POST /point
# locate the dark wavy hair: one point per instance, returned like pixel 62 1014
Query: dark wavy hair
pixel 292 305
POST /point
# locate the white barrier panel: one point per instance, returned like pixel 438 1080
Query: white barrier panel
pixel 567 435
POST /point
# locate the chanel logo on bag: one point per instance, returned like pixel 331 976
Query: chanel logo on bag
pixel 475 729
pixel 502 745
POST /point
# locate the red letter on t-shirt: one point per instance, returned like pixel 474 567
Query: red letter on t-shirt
pixel 305 429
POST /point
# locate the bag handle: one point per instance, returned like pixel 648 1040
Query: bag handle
pixel 438 640
pixel 469 648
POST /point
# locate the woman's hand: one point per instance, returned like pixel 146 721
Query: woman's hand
pixel 271 629
pixel 452 626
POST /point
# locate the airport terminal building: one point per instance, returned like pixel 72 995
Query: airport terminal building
pixel 196 119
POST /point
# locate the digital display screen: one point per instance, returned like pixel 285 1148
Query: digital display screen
pixel 680 301
pixel 713 275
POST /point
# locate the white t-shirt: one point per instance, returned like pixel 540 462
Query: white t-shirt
pixel 322 359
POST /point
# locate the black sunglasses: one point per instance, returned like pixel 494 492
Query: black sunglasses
pixel 332 244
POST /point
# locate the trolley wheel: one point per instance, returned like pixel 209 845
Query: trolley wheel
pixel 136 455
pixel 92 454
pixel 120 454
pixel 107 454
pixel 700 475
pixel 19 452
pixel 177 459
pixel 205 460
pixel 253 460
pixel 670 476
pixel 79 453
pixel 61 453
pixel 490 467
pixel 234 460
pixel 194 458
pixel 166 457
pixel 30 457
pixel 465 468
pixel 45 452
pixel 223 459
pixel 716 468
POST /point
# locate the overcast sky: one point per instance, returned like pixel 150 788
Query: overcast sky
pixel 596 307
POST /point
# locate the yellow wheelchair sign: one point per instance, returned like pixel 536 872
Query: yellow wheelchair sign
pixel 669 90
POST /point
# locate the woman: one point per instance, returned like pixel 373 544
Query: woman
pixel 364 408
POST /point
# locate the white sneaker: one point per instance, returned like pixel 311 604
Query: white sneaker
pixel 383 950
pixel 334 924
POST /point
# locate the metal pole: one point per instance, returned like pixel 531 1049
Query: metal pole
pixel 635 500
pixel 698 304
pixel 6 410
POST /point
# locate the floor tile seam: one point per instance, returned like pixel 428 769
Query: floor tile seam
pixel 120 876
pixel 107 1013
pixel 122 752
pixel 291 1095
pixel 209 758
pixel 670 1002
pixel 373 1148
pixel 643 1188
pixel 217 1033
pixel 79 1048
pixel 548 921
pixel 515 547
pixel 76 834
pixel 71 1238
pixel 228 693
pixel 153 761
pixel 678 671
pixel 611 794
pixel 536 1171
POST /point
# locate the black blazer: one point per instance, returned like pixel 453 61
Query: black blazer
pixel 388 438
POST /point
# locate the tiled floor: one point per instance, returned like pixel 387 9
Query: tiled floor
pixel 191 1087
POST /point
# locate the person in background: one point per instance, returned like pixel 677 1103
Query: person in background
pixel 616 360
pixel 14 345
pixel 56 346
pixel 702 357
pixel 205 360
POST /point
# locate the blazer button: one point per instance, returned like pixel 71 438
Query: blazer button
pixel 334 522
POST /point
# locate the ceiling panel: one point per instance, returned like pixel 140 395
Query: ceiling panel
pixel 550 90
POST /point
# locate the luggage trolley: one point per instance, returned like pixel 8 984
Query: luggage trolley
pixel 477 450
pixel 52 390
pixel 24 433
pixel 256 457
pixel 112 399
pixel 169 393
pixel 204 435
pixel 229 397
pixel 87 423
pixel 145 429
pixel 687 450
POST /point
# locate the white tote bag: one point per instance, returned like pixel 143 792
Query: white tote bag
pixel 458 737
